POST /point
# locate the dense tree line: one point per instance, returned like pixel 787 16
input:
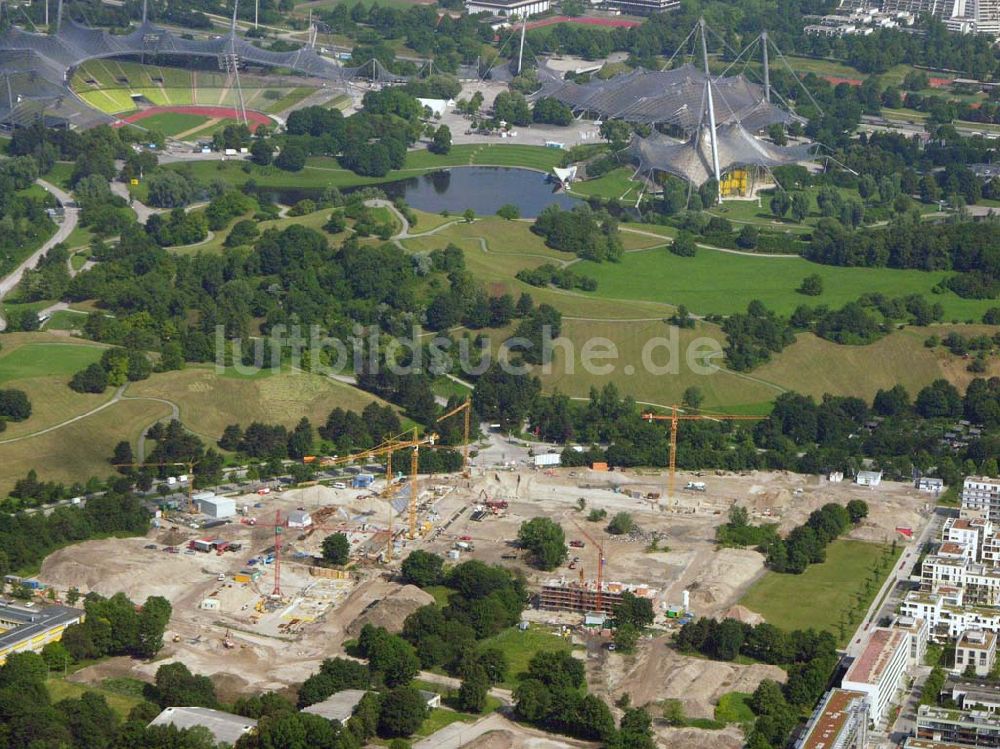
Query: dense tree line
pixel 116 626
pixel 563 278
pixel 26 539
pixel 806 544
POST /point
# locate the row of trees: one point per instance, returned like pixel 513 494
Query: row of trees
pixel 806 544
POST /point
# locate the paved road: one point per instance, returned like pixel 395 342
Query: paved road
pixel 10 282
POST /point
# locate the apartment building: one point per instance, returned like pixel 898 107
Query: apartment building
pixel 980 583
pixel 947 614
pixel 973 693
pixel 840 721
pixel 919 633
pixel 981 493
pixel 879 671
pixel 975 649
pixel 975 728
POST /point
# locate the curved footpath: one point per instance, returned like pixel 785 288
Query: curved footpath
pixel 72 216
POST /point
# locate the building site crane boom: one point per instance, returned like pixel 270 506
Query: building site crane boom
pixel 675 417
pixel 600 565
pixel 467 408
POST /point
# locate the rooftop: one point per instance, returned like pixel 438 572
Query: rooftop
pixel 338 706
pixel 224 727
pixel 914 743
pixel 829 719
pixel 977 639
pixel 869 666
pixel 34 621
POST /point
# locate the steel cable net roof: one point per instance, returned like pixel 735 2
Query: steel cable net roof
pixel 675 97
pixel 692 160
pixel 35 67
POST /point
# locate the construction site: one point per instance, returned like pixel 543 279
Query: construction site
pixel 255 607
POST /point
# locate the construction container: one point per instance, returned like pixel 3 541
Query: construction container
pixel 241 578
pixel 454 554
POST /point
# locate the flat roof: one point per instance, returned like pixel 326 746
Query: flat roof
pixel 339 706
pixel 830 720
pixel 914 743
pixel 977 639
pixel 224 727
pixel 34 621
pixel 870 665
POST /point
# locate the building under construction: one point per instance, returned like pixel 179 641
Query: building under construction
pixel 563 595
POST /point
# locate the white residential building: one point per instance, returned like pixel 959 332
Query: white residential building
pixel 868 478
pixel 840 721
pixel 947 615
pixel 919 632
pixel 980 583
pixel 975 648
pixel 880 670
pixel 507 8
pixel 982 493
pixel 930 485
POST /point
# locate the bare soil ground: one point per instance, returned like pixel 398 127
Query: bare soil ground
pixel 279 645
pixel 656 672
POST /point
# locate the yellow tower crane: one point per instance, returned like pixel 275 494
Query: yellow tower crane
pixel 674 417
pixel 467 408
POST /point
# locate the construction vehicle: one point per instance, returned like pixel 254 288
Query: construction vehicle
pixel 675 417
pixel 466 408
pixel 227 641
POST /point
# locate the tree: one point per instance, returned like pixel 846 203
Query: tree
pixel 336 549
pixel 800 206
pixel 683 245
pixel 634 610
pixel 811 285
pixel 509 211
pixel 153 620
pixel 441 142
pixel 92 379
pixel 748 237
pixel 422 568
pixel 168 189
pixel 176 685
pixel 262 151
pixel 472 693
pixel 621 524
pixel 626 636
pixel 692 398
pixel 390 657
pixel 56 656
pixel 780 203
pixel 939 399
pixel 292 158
pixel 14 405
pixel 468 215
pixel 403 710
pixel 545 540
pixel 858 510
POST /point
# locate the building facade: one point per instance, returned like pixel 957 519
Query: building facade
pixel 840 721
pixel 975 649
pixel 507 8
pixel 979 729
pixel 879 671
pixel 982 493
pixel 25 628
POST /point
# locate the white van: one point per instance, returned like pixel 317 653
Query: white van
pixel 339 485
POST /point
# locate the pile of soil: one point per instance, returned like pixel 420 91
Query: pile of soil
pixel 392 610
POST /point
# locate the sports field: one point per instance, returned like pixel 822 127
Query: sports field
pixel 174 123
pixel 833 589
pixel 112 86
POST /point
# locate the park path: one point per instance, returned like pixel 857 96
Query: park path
pixel 114 399
pixel 63 230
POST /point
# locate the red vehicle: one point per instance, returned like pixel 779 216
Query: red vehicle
pixel 465 538
pixel 577 544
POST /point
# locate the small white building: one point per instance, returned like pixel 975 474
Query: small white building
pixel 299 519
pixel 507 8
pixel 546 459
pixel 930 485
pixel 215 507
pixel 976 648
pixel 835 477
pixel 880 671
pixel 868 478
pixel 225 728
pixel 431 699
pixel 339 706
pixel 437 106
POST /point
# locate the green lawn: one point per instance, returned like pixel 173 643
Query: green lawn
pixel 46 360
pixel 733 708
pixel 173 123
pixel 60 689
pixel 439 718
pixel 816 597
pixel 440 593
pixel 720 282
pixel 520 647
pixel 615 185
